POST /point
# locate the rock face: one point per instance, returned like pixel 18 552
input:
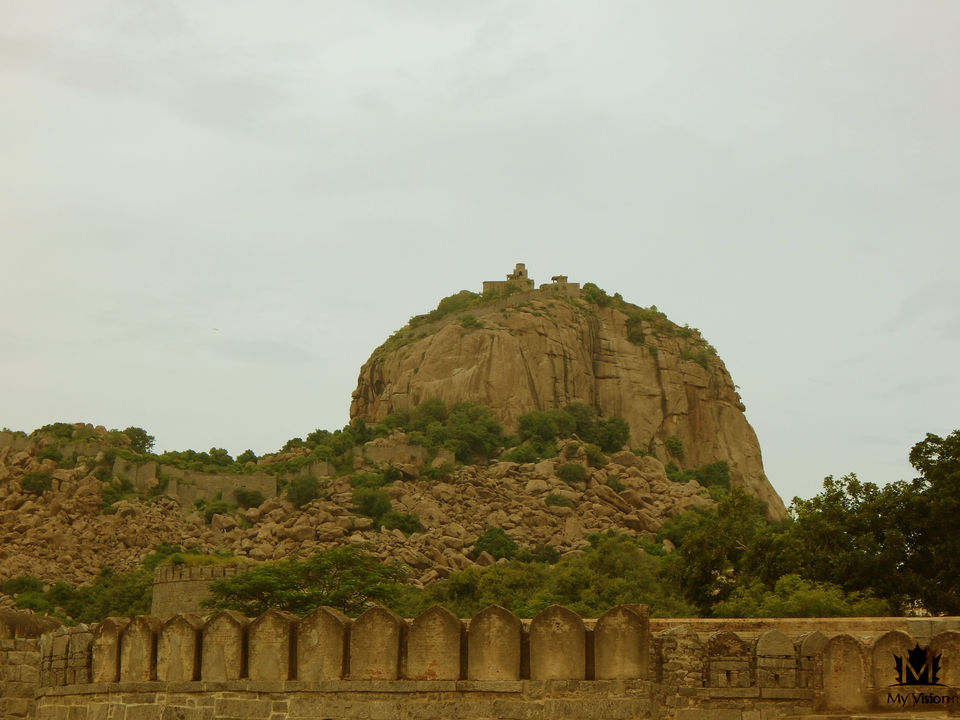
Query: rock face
pixel 539 350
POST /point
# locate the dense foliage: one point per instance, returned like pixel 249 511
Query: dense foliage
pixel 345 578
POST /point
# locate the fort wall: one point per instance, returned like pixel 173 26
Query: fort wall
pixel 181 588
pixel 557 666
pixel 19 676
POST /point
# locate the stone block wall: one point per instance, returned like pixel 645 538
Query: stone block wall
pixel 190 486
pixel 180 589
pixel 19 676
pixel 557 665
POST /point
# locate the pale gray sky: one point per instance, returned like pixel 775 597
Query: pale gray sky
pixel 212 212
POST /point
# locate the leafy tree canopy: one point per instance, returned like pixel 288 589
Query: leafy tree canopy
pixel 346 578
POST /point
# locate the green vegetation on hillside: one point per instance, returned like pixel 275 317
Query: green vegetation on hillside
pixel 854 548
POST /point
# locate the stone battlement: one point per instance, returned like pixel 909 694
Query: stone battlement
pixel 181 588
pixel 557 665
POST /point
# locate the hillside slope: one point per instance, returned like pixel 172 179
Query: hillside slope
pixel 65 530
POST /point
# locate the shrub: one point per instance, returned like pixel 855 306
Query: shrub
pixel 496 542
pixel 64 431
pixel 50 453
pixel 674 446
pixel 116 489
pixel 521 454
pixel 37 482
pixel 247 456
pixel 404 522
pixel 248 498
pixel 595 456
pixel 571 449
pixel 391 474
pixel 554 500
pixel 21 584
pixel 700 357
pixel 302 490
pixel 371 503
pixel 539 553
pixel 469 322
pixel 612 434
pixel 368 480
pixel 596 295
pixel 438 473
pixel 215 507
pixel 571 473
pixel 615 484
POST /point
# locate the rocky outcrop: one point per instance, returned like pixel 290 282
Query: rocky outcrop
pixel 540 352
pixel 64 532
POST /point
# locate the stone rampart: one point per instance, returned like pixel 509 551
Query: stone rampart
pixel 557 665
pixel 191 485
pixel 181 588
pixel 19 676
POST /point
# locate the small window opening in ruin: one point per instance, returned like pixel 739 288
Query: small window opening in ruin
pixel 728 675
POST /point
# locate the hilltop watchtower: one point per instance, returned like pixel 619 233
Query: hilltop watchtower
pixel 518 279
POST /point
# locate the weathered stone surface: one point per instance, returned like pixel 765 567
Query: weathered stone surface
pixel 106 650
pixel 946 644
pixel 557 645
pixel 552 353
pixel 375 639
pixel 729 661
pixel 178 649
pixel 321 644
pixel 223 647
pixel 843 675
pixel 270 646
pixel 433 646
pixel 885 649
pixel 493 645
pixel 137 643
pixel 776 661
pixel 621 644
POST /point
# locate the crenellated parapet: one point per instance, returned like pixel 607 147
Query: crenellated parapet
pixel 182 588
pixel 556 665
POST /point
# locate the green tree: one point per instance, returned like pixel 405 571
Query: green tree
pixel 711 559
pixel 140 440
pixel 792 596
pixel 932 512
pixel 345 578
pixel 860 537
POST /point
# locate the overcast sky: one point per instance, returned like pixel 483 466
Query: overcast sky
pixel 212 212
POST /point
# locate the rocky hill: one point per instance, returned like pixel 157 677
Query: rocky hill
pixel 516 350
pixel 66 527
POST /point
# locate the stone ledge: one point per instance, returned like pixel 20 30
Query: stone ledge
pixel 529 687
pixel 786 693
pixel 729 692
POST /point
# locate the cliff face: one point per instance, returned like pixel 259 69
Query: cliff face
pixel 538 352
